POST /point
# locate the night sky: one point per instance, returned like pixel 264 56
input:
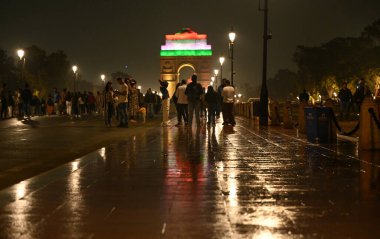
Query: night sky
pixel 103 36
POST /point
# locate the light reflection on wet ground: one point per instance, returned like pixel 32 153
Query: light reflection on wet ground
pixel 225 182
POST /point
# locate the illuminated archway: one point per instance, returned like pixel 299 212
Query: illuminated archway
pixel 186 48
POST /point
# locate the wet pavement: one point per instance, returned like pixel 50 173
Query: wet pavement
pixel 223 182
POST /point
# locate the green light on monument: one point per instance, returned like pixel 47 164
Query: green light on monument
pixel 186 53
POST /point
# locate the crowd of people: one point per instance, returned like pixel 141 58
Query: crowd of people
pixel 25 103
pixel 192 100
pixel 348 101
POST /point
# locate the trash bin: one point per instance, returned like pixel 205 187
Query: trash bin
pixel 318 124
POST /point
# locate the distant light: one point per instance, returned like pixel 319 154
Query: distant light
pixel 20 53
pixel 221 60
pixel 139 87
pixel 212 79
pixel 232 36
pixel 103 77
pixel 75 68
pixel 335 94
pixel 216 72
pixel 239 95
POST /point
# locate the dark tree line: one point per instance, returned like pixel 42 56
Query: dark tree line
pixel 41 70
pixel 322 69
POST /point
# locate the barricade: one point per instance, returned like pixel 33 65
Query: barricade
pixel 287 116
pixel 369 131
pixel 274 113
pixel 301 117
pixel 334 124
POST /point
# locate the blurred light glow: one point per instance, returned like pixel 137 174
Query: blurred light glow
pixel 216 72
pixel 75 68
pixel 20 53
pixel 232 36
pixel 221 60
pixel 20 190
pixel 103 77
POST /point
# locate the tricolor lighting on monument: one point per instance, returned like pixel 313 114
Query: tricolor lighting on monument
pixel 186 43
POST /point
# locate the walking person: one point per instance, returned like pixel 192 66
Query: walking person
pixel 150 101
pixel 109 103
pixel 133 100
pixel 122 96
pixel 228 95
pixel 26 96
pixel 220 98
pixel 165 102
pixel 361 92
pixel 182 103
pixel 194 92
pixel 345 99
pixel 211 100
pixel 4 101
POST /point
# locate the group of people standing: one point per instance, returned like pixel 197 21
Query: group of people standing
pixel 124 103
pixel 192 99
pixel 347 99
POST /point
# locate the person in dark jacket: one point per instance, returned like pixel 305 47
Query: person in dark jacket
pixel 211 99
pixel 345 98
pixel 194 92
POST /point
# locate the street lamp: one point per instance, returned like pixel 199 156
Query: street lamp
pixel 75 69
pixel 213 81
pixel 221 60
pixel 103 77
pixel 139 87
pixel 263 120
pixel 21 54
pixel 232 36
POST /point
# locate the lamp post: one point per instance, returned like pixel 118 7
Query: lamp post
pixel 221 61
pixel 75 69
pixel 103 77
pixel 21 54
pixel 263 120
pixel 232 36
pixel 216 72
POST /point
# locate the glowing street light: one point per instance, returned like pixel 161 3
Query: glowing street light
pixel 221 61
pixel 103 77
pixel 21 54
pixel 139 87
pixel 232 36
pixel 75 69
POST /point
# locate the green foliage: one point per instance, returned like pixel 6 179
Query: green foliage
pixel 324 68
pixel 42 71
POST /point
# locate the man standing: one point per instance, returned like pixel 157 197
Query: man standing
pixel 165 102
pixel 122 106
pixel 345 97
pixel 182 103
pixel 304 96
pixel 194 92
pixel 228 95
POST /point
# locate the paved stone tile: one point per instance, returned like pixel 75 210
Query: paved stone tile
pixel 223 182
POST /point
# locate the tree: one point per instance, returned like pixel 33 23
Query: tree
pixel 8 71
pixel 285 85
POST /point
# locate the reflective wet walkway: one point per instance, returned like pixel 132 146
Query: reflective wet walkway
pixel 225 182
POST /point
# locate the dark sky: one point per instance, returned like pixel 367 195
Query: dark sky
pixel 101 36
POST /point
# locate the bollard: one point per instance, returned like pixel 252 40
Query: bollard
pixel 301 117
pixel 369 133
pixel 332 128
pixel 274 114
pixel 287 118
